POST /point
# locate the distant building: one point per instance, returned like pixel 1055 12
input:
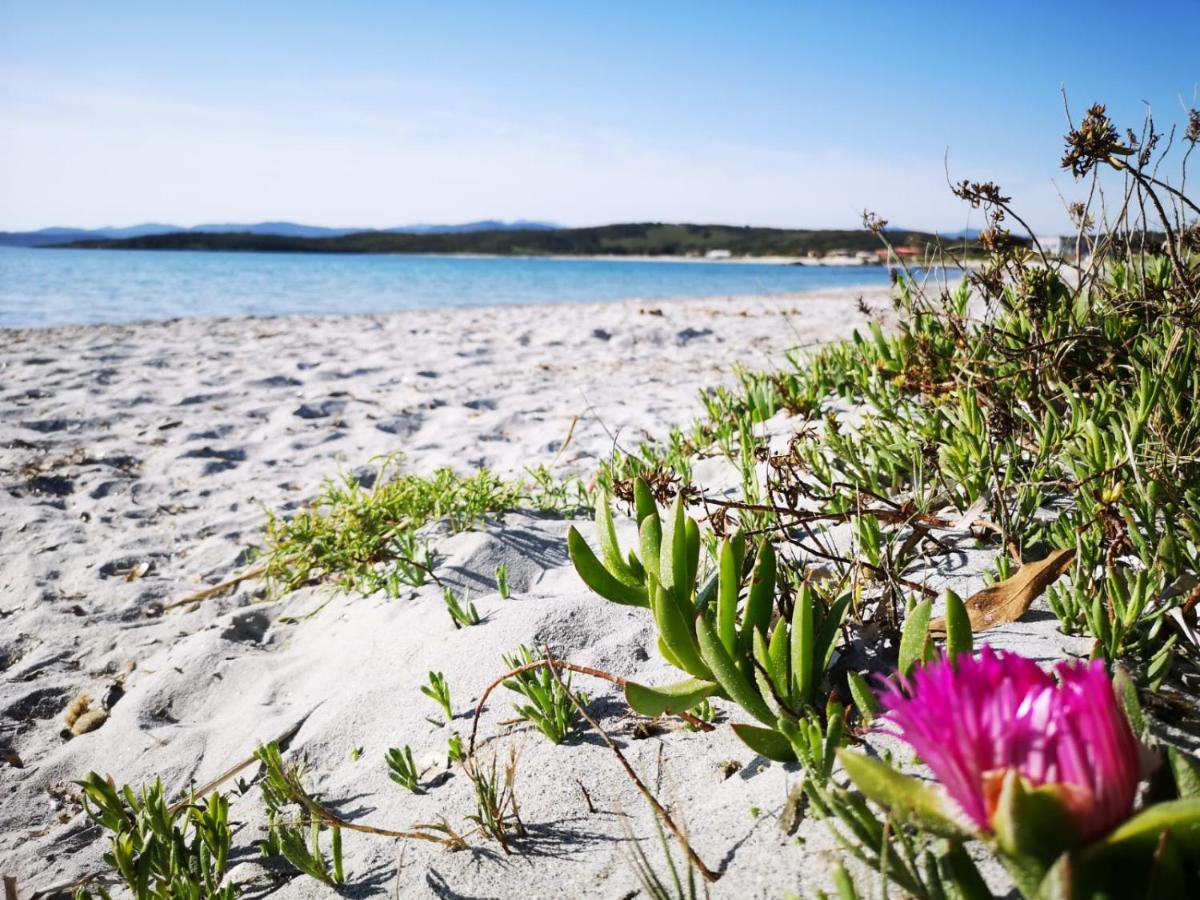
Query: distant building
pixel 1052 244
pixel 887 255
pixel 718 254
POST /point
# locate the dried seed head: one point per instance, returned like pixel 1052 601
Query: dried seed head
pixel 1000 423
pixel 980 193
pixel 873 223
pixel 1094 141
pixel 1192 133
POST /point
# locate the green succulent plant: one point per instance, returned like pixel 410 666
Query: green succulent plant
pixel 723 634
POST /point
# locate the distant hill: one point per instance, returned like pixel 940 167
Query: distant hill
pixel 59 235
pixel 636 239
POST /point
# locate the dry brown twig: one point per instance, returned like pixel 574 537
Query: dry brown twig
pixel 708 874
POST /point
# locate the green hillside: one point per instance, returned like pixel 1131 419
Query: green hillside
pixel 637 239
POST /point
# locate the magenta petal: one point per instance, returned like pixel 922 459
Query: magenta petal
pixel 997 711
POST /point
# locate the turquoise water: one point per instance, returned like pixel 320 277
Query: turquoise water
pixel 41 287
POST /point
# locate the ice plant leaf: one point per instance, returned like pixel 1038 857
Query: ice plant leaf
pixel 650 541
pixel 728 675
pixel 598 578
pixel 762 596
pixel 677 633
pixel 958 626
pixel 1141 834
pixel 670 698
pixel 643 501
pixel 1008 600
pixel 803 644
pixel 1186 770
pixel 864 698
pixel 766 742
pixel 915 636
pixel 610 550
pixel 910 800
pixel 731 582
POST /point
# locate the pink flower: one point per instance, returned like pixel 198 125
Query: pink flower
pixel 975 719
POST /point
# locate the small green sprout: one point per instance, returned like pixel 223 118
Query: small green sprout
pixel 461 616
pixel 159 849
pixel 438 691
pixel 402 769
pixel 295 821
pixel 502 580
pixel 549 708
pixel 454 747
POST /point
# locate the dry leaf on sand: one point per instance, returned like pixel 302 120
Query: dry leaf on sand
pixel 1010 599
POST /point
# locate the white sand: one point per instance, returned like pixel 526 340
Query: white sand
pixel 162 443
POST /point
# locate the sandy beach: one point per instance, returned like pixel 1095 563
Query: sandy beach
pixel 137 464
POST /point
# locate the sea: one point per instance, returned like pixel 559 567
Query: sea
pixel 42 287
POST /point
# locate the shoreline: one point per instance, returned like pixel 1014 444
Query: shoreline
pixel 829 262
pixel 815 294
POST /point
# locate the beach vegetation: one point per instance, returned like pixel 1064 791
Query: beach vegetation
pixel 1042 403
pixel 462 616
pixel 497 812
pixel 666 883
pixel 365 533
pixel 295 823
pixel 402 769
pixel 160 850
pixel 502 581
pixel 439 692
pixel 549 708
pixel 722 628
pixel 366 538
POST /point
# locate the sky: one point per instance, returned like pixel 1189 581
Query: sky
pixel 362 114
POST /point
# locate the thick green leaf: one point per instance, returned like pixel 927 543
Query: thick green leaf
pixel 669 698
pixel 864 698
pixel 1186 770
pixel 727 594
pixel 827 634
pixel 959 637
pixel 676 632
pixel 915 636
pixel 910 800
pixel 1127 695
pixel 650 541
pixel 803 647
pixel 610 550
pixel 766 742
pixel 728 675
pixel 598 578
pixel 643 501
pixel 1140 834
pixel 691 533
pixel 777 653
pixel 761 599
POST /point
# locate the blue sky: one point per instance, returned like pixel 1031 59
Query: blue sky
pixel 373 114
